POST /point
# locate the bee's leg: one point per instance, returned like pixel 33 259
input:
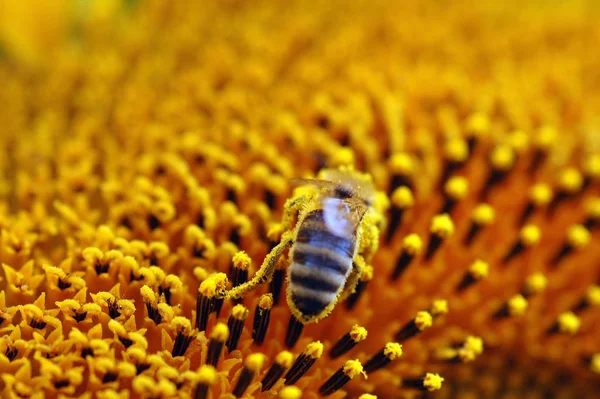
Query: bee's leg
pixel 290 211
pixel 358 266
pixel 264 274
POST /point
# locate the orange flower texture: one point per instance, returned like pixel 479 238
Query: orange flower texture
pixel 294 199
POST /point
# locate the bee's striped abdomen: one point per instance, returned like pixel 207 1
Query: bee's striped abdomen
pixel 321 262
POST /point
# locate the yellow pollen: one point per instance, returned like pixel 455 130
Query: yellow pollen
pixel 479 269
pixel 519 141
pixel 502 157
pixel 456 150
pixel 241 260
pixel 545 137
pixel 367 273
pixel 530 235
pixel 432 382
pixel 578 236
pixel 402 198
pixel 255 361
pixel 570 180
pixel 314 349
pixel 540 194
pixel 592 295
pixel 220 332
pixel 483 214
pixel 442 225
pixel 208 288
pixel 207 375
pixel 352 368
pixel 423 320
pixel 591 166
pixel 438 307
pixel 342 156
pixel 517 305
pixel 367 396
pixel 593 207
pixel 477 124
pixel 182 324
pixel 568 323
pixel 456 187
pixel 392 350
pixel 466 355
pixel 474 344
pixel 290 392
pixel 536 283
pixel 240 312
pixel 412 244
pixel 595 363
pixel 266 301
pixel 401 163
pixel 284 358
pixel 358 333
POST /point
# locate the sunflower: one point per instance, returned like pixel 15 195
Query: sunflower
pixel 150 148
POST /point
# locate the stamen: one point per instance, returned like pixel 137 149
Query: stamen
pixel 534 284
pixel 477 125
pixel 236 321
pixel 401 199
pixel 207 376
pixel 462 353
pixel 151 302
pixel 483 215
pixel 414 327
pixel 502 160
pixel 218 336
pixel 592 213
pixel 529 236
pixel 402 168
pixel 577 237
pixel 295 328
pixel 570 183
pixel 351 369
pixel 539 195
pixel 591 170
pixel 412 246
pixel 594 363
pixel 304 362
pixel 477 271
pixel 591 298
pixel 456 153
pixel 348 341
pixel 367 396
pixel 566 323
pixel 430 382
pixel 441 227
pixel 239 270
pixel 283 361
pixel 184 336
pixel 515 306
pixel 262 317
pixel 290 392
pixel 455 189
pixel 254 363
pixel 363 282
pixel 391 351
pixel 205 302
pixel 276 285
pixel 542 143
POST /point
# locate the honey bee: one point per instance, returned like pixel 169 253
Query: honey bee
pixel 332 225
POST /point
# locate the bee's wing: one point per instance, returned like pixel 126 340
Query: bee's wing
pixel 313 182
pixel 342 216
